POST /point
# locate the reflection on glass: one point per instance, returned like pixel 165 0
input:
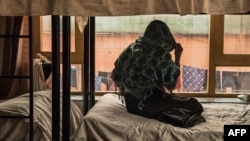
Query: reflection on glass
pixel 237 34
pixel 232 80
pixel 113 34
pixel 46 33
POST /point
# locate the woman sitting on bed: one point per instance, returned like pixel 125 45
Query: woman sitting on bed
pixel 146 75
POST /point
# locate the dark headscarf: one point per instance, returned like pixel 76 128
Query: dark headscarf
pixel 147 63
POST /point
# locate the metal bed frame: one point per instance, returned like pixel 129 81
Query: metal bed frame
pixel 56 79
pixel 89 76
pixel 30 77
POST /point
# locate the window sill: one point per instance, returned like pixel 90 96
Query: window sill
pixel 220 100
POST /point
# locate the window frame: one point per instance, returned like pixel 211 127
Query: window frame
pixel 218 58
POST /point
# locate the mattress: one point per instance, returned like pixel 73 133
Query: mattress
pixel 108 120
pixel 18 128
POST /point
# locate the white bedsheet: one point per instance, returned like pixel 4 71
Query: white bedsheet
pixel 108 120
pixel 13 129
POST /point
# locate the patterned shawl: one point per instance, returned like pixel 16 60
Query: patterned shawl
pixel 147 63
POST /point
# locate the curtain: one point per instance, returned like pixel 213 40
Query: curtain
pixel 10 63
pixel 121 7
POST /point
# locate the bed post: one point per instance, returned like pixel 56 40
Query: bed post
pixel 66 79
pixel 55 78
pixel 86 69
pixel 31 88
pixel 92 62
pixel 89 65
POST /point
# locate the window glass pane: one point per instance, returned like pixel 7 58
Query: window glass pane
pixel 46 33
pixel 113 34
pixel 237 34
pixel 75 80
pixel 232 80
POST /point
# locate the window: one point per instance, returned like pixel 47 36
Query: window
pixel 237 34
pixel 43 43
pixel 215 50
pixel 233 71
pixel 46 33
pixel 215 60
pixel 113 34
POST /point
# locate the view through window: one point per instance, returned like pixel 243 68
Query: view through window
pixel 113 34
pixel 237 34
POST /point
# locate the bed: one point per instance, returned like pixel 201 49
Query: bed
pixel 109 113
pixel 18 128
pixel 108 120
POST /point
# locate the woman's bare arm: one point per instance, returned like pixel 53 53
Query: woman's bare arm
pixel 177 52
